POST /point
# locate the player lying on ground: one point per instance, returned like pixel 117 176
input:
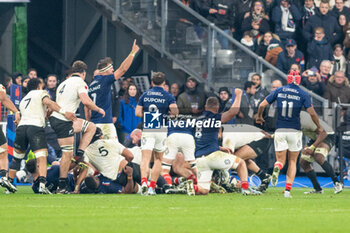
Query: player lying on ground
pixel 69 95
pixel 209 154
pixel 319 153
pixel 4 162
pixel 248 142
pixel 30 130
pixel 290 100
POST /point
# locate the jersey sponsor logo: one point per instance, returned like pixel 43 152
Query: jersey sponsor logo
pixel 227 161
pixel 152 120
pixel 94 88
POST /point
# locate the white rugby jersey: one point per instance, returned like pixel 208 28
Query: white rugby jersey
pixel 309 128
pixel 67 95
pixel 236 136
pixel 105 156
pixel 32 108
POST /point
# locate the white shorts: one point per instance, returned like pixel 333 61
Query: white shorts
pixel 180 142
pixel 288 139
pixel 216 160
pixel 108 130
pixel 153 141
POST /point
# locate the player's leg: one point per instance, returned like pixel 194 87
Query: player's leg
pixel 147 145
pixel 294 140
pixel 156 170
pixel 306 164
pixel 320 156
pixel 281 146
pixel 168 158
pixel 204 176
pixel 66 145
pixel 188 149
pixel 4 163
pixel 88 130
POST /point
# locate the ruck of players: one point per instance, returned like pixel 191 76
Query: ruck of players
pixel 177 145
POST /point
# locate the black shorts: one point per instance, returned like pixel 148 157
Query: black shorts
pixel 122 179
pixel 32 135
pixel 329 140
pixel 2 138
pixel 63 129
pixel 261 146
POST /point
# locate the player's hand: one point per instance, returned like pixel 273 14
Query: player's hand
pixel 70 116
pixel 212 11
pixel 238 91
pixel 267 135
pixel 135 47
pixel 226 150
pixel 260 120
pixel 101 111
pixel 128 170
pixel 307 151
pixel 17 118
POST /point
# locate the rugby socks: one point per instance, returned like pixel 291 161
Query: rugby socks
pixel 152 184
pixel 192 177
pixel 3 173
pixel 288 186
pixel 62 183
pixel 245 185
pixel 330 172
pixel 144 180
pixel 312 176
pixel 261 174
pixel 167 178
pixel 80 154
pixel 279 165
pixel 195 187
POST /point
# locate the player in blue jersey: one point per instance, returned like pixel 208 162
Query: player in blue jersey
pixel 100 91
pixel 159 104
pixel 52 177
pixel 180 139
pixel 209 154
pixel 290 100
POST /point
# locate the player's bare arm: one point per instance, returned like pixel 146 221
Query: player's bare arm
pixel 127 62
pixel 127 155
pixel 85 99
pixel 139 111
pixel 174 110
pixel 260 120
pixel 87 113
pixel 81 175
pixel 55 107
pixel 314 118
pixel 233 111
pixel 129 187
pixel 9 105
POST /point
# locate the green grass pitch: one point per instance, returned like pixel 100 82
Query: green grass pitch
pixel 271 212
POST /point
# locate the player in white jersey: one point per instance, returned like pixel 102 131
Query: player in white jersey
pixel 319 153
pixel 69 94
pixel 30 130
pixel 4 162
pixel 248 142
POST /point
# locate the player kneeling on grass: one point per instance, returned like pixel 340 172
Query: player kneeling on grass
pixel 4 162
pixel 209 154
pixel 52 177
pixel 319 153
pixel 31 130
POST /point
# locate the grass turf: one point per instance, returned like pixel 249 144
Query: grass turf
pixel 271 212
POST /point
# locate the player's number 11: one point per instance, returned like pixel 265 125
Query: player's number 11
pixel 285 109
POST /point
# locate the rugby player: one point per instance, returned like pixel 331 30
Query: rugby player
pixel 69 95
pixel 159 103
pixel 180 139
pixel 100 91
pixel 209 154
pixel 318 154
pixel 31 130
pixel 288 135
pixel 248 142
pixel 4 162
pixel 52 178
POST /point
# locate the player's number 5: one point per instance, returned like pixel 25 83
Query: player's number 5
pixel 103 151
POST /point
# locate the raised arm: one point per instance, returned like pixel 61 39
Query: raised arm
pixel 127 62
pixel 234 109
